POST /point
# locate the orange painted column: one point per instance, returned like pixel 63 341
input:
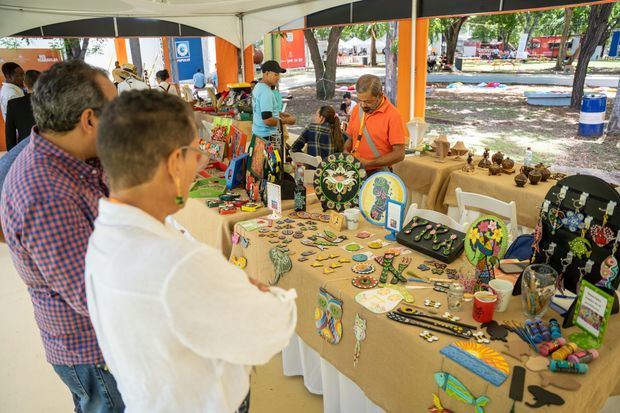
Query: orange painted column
pixel 248 76
pixel 421 44
pixel 227 63
pixel 121 50
pixel 166 52
pixel 403 87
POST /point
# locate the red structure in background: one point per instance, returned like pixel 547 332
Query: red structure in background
pixel 293 49
pixel 547 46
pixel 484 50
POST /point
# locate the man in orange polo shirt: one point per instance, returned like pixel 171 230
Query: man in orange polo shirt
pixel 377 133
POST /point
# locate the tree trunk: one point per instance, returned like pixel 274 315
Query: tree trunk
pixel 597 23
pixel 74 50
pixel 373 46
pixel 391 60
pixel 452 37
pixel 575 55
pixel 613 128
pixel 530 30
pixel 568 15
pixel 324 72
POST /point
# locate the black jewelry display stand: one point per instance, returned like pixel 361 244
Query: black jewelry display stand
pixel 600 193
pixel 425 246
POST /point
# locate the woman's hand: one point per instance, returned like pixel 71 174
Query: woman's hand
pixel 262 287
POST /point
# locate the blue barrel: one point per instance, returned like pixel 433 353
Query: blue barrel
pixel 592 116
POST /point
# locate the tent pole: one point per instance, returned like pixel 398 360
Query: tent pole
pixel 242 48
pixel 414 15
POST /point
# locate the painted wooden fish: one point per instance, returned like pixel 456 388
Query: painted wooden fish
pixel 457 390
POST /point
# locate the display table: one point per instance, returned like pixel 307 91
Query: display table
pixel 208 226
pixel 396 366
pixel 501 187
pixel 243 125
pixel 424 178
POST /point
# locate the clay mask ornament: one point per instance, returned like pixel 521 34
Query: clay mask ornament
pixel 281 263
pixel 328 317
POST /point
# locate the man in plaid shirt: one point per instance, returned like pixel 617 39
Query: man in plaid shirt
pixel 48 206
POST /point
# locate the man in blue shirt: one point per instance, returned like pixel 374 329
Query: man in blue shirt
pixel 266 114
pixel 199 79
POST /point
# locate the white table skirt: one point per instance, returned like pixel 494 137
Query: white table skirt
pixel 340 394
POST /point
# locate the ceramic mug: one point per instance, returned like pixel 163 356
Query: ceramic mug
pixel 503 291
pixel 352 216
pixel 484 305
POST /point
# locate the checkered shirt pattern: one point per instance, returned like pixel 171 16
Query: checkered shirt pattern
pixel 48 207
pixel 318 138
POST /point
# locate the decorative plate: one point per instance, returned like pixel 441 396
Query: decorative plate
pixel 337 181
pixel 363 268
pixel 487 237
pixel 376 191
pixel 364 282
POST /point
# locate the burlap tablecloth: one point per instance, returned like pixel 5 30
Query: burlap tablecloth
pixel 208 226
pixel 396 366
pixel 424 175
pixel 501 187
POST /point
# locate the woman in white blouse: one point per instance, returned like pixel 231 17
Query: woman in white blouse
pixel 179 327
pixel 162 77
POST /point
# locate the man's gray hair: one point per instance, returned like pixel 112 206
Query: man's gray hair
pixel 63 93
pixel 369 83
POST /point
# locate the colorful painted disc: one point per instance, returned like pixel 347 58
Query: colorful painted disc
pixel 353 247
pixel 364 282
pixel 486 237
pixel 363 268
pixel 337 181
pixel 360 257
pixel 375 192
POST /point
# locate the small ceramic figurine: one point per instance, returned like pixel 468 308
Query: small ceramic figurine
pixel 485 162
pixel 525 170
pixel 498 157
pixel 535 176
pixel 469 167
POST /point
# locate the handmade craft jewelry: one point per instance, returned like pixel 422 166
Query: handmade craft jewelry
pixel 580 246
pixel 609 267
pixel 415 222
pixel 566 262
pixel 426 229
pixel 549 251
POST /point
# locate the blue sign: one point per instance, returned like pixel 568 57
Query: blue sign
pixel 615 44
pixel 188 53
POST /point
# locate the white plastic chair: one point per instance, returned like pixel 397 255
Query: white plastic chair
pixel 472 205
pixel 309 160
pixel 433 216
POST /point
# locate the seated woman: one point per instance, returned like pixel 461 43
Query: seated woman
pixel 178 325
pixel 323 136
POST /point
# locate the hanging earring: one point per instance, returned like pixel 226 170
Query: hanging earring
pixel 179 198
pixel 602 234
pixel 566 262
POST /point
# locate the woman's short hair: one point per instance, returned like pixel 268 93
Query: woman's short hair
pixel 139 130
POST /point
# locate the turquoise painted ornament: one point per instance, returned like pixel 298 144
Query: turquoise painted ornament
pixel 457 390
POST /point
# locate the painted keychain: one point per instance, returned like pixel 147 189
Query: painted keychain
pixel 415 222
pixel 580 246
pixel 609 267
pixel 602 234
pixel 574 220
pixel 538 230
pixel 359 329
pixel 556 215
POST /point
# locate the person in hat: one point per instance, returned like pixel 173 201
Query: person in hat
pixel 265 104
pixel 131 81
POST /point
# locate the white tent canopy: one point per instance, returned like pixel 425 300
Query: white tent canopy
pixel 241 22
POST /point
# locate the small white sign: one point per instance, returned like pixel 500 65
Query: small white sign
pixel 274 198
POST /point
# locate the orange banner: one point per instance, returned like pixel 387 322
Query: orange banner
pixel 292 49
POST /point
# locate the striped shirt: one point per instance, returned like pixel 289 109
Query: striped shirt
pixel 48 205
